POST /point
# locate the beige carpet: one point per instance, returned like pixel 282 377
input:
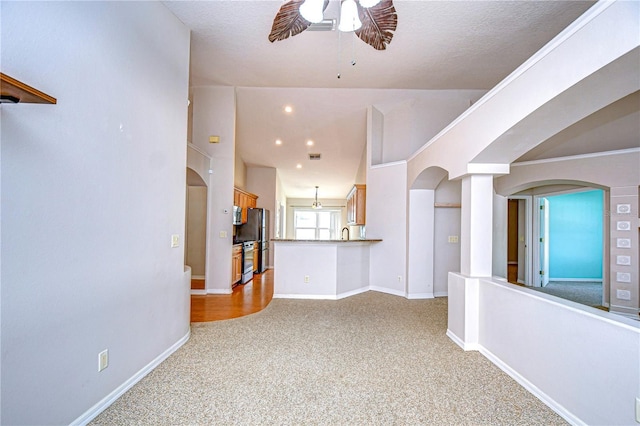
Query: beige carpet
pixel 371 359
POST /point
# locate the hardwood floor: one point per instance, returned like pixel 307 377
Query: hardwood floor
pixel 246 299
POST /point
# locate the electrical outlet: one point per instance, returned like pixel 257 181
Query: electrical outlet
pixel 175 240
pixel 399 278
pixel 306 278
pixel 103 360
pixel 223 234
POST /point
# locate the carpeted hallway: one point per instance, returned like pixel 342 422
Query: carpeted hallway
pixel 586 293
pixel 368 359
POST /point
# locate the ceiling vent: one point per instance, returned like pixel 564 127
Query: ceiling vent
pixel 314 156
pixel 324 25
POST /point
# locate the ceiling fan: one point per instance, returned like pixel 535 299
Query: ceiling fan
pixel 377 21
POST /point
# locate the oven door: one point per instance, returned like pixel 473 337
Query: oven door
pixel 247 262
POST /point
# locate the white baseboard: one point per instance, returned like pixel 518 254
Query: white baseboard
pixel 455 339
pixel 458 341
pixel 441 294
pixel 199 292
pixel 197 277
pixel 105 402
pixel 546 399
pixel 578 280
pixel 352 292
pixel 388 291
pixel 305 296
pixel 412 296
pixel 219 291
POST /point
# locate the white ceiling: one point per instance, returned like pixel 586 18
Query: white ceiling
pixel 437 45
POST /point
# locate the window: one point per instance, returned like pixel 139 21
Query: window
pixel 316 224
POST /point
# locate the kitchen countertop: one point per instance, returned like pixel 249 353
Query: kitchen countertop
pixel 286 240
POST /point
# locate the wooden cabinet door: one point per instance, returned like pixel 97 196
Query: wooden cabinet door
pixel 356 202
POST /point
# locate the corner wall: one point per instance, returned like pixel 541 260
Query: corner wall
pixel 214 114
pixel 93 188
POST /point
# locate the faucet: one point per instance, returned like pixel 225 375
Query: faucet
pixel 342 233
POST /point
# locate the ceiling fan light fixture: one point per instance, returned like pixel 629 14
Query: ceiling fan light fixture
pixel 312 10
pixel 349 19
pixel 368 3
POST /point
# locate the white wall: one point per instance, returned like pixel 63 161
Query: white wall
pixel 214 114
pixel 420 256
pixel 447 224
pixel 581 361
pixel 92 190
pixel 387 219
pixel 418 118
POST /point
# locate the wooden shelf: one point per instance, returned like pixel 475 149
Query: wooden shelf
pixel 10 87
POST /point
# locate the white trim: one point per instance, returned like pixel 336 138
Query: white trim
pixel 458 341
pixel 557 41
pixel 305 296
pixel 352 292
pixel 487 169
pixel 390 164
pixel 576 157
pixel 590 280
pixel 400 293
pixel 455 339
pixel 546 399
pixel 198 292
pixel 198 277
pixel 219 291
pixel 105 402
pixel 441 294
pixel 412 296
pixel 198 150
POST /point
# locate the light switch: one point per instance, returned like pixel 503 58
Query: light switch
pixel 223 234
pixel 453 238
pixel 175 240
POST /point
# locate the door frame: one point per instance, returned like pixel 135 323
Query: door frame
pixel 528 237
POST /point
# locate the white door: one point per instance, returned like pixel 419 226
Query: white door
pixel 544 242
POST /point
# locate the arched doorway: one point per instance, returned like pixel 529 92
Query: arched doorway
pixel 195 252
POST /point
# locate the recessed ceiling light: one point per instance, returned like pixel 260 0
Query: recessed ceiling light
pixel 309 142
pixel 288 109
pixel 298 166
pixel 278 142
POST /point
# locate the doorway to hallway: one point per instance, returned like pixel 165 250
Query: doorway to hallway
pixel 556 243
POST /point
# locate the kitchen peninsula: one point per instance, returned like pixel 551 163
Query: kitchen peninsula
pixel 321 269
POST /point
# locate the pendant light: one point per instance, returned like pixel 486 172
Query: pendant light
pixel 316 204
pixel 349 19
pixel 311 10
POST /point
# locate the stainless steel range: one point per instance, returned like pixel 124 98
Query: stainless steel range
pixel 247 261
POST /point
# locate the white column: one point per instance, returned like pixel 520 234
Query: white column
pixel 477 225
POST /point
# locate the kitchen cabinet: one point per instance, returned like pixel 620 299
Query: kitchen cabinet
pixel 236 264
pixel 356 205
pixel 245 200
pixel 256 248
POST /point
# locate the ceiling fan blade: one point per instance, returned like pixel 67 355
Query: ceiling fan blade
pixel 378 24
pixel 288 21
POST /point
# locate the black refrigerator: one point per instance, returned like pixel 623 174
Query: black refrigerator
pixel 257 229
